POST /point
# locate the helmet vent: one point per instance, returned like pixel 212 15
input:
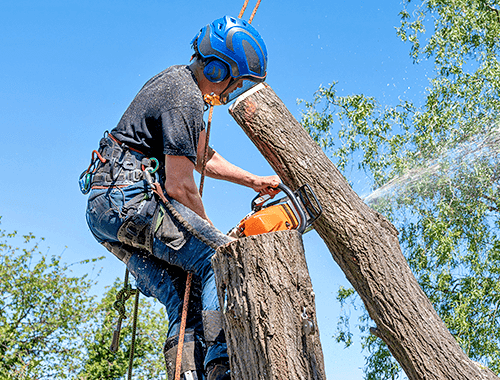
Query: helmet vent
pixel 252 57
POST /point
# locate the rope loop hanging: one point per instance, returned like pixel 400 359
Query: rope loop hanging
pixel 119 305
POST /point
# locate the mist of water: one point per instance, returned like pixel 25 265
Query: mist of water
pixel 485 146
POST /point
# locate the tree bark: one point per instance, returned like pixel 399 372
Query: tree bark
pixel 362 242
pixel 268 303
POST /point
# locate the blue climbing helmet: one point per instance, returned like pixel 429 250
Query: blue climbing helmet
pixel 232 47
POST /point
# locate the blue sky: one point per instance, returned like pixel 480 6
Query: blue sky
pixel 69 69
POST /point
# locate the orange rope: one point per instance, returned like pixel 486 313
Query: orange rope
pixel 92 160
pixel 185 306
pixel 178 361
pixel 243 9
pixel 205 155
pixel 254 12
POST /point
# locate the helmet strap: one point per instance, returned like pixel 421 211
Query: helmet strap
pixel 223 94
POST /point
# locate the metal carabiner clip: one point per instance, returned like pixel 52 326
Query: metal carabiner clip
pixel 84 182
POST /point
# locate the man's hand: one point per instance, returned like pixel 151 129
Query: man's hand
pixel 267 185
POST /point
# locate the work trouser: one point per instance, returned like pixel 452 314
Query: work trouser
pixel 161 271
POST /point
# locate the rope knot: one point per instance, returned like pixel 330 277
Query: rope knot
pixel 121 298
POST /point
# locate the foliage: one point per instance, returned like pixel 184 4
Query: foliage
pixel 101 363
pixel 436 171
pixel 41 309
pixel 51 327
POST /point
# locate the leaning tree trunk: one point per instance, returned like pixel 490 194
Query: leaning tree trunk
pixel 269 312
pixel 362 242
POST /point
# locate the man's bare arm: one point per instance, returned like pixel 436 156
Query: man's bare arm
pixel 219 168
pixel 180 183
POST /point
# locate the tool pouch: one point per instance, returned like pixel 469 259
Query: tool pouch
pixel 192 353
pixel 137 230
pixel 168 230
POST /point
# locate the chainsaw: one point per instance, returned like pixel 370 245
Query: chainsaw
pixel 297 210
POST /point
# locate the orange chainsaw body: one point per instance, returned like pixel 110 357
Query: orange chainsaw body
pixel 297 210
pixel 274 218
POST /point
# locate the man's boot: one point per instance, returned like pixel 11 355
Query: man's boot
pixel 192 356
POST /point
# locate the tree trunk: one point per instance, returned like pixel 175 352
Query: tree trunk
pixel 362 242
pixel 268 303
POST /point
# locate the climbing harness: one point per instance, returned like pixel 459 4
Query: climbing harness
pixel 147 171
pixel 115 165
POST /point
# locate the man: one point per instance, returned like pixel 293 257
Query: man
pixel 165 121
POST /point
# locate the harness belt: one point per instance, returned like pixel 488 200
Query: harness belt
pixel 123 166
pixel 118 166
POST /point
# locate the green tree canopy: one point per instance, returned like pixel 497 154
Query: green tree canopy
pixel 52 325
pixel 42 307
pixel 435 169
pixel 152 325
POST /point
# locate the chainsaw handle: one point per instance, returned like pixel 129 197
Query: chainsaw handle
pixel 302 216
pixel 259 200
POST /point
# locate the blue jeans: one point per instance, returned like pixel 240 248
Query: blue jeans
pixel 162 274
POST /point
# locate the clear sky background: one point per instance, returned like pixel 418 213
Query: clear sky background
pixel 69 69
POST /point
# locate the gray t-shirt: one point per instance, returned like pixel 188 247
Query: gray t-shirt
pixel 166 116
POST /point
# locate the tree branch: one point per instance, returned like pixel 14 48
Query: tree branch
pixel 492 200
pixel 494 10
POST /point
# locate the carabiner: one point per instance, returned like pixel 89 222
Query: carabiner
pixel 84 182
pixel 150 169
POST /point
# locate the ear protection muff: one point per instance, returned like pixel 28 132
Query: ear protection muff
pixel 216 71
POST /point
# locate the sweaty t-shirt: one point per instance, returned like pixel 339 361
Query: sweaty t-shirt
pixel 166 116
